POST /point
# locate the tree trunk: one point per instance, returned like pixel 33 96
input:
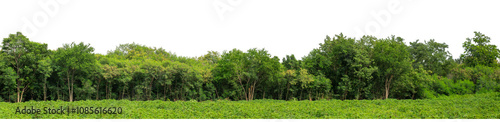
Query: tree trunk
pixel 106 89
pixel 288 89
pixel 157 94
pixel 44 89
pixel 97 95
pixel 244 91
pixel 300 97
pixel 249 95
pixel 150 88
pixel 165 92
pixel 58 91
pixel 17 80
pixel 253 90
pixel 69 89
pixel 8 97
pixel 72 86
pixel 22 92
pixel 123 92
pixel 264 95
pixel 108 95
pixel 387 86
pixel 72 89
pixel 310 98
pixel 18 90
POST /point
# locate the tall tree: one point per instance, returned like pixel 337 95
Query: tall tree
pixel 45 68
pixel 306 81
pixel 393 60
pixel 347 62
pixel 246 71
pixel 478 51
pixel 74 63
pixel 7 78
pixel 22 55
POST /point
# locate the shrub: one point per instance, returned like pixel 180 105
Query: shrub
pixel 463 87
pixel 485 84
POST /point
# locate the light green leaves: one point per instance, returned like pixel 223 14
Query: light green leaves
pixel 478 51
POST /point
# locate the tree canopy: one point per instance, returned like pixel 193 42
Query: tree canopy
pixel 341 67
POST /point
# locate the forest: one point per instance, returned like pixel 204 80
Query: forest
pixel 341 68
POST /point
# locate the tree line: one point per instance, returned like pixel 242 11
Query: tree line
pixel 340 68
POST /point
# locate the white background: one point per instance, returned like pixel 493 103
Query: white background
pixel 193 27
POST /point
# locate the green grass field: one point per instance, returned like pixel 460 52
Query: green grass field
pixel 464 106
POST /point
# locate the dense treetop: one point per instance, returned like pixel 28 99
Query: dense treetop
pixel 340 68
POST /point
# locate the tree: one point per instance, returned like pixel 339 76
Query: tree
pixel 392 59
pixel 432 56
pixel 347 62
pixel 140 52
pixel 306 81
pixel 125 73
pixel 45 68
pixel 291 63
pixel 7 77
pixel 478 51
pixel 290 80
pixel 259 69
pixel 230 73
pixel 97 74
pixel 246 71
pixel 22 55
pixel 362 68
pixel 74 63
pixel 152 72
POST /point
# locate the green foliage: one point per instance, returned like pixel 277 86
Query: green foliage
pixel 22 55
pixel 393 60
pixel 463 87
pixel 340 68
pixel 290 62
pixel 478 51
pixel 7 79
pixel 477 106
pixel 74 63
pixel 485 84
pixel 432 56
pixel 244 72
pixel 347 63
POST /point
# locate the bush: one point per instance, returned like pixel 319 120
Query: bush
pixel 440 85
pixel 485 84
pixel 463 87
pixel 428 94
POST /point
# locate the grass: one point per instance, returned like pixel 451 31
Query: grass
pixel 485 106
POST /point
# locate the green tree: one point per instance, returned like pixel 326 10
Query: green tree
pixel 23 55
pixel 8 78
pixel 290 80
pixel 153 71
pixel 432 56
pixel 97 74
pixel 74 62
pixel 347 62
pixel 306 81
pixel 45 68
pixel 478 51
pixel 246 71
pixel 290 62
pixel 392 59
